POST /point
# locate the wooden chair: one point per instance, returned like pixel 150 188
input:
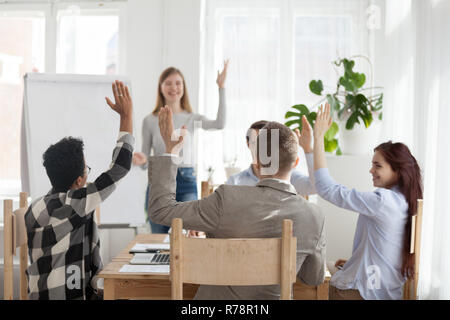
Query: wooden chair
pixel 410 287
pixel 15 235
pixel 207 189
pixel 262 261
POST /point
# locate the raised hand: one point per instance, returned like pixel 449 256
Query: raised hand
pixel 196 234
pixel 221 77
pixel 123 105
pixel 323 121
pixel 165 121
pixel 305 138
pixel 340 263
pixel 139 158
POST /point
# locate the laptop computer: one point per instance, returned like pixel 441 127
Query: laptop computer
pixel 151 258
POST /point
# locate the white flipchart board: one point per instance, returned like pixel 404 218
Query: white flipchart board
pixel 61 105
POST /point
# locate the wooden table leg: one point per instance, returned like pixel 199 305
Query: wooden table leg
pixel 109 290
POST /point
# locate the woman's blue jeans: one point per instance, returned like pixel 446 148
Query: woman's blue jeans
pixel 186 191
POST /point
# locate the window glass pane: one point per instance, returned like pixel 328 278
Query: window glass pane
pixel 253 44
pixel 87 41
pixel 22 41
pixel 318 42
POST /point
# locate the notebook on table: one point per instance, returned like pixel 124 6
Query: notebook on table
pixel 142 268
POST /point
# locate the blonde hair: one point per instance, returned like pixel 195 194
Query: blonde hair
pixel 160 101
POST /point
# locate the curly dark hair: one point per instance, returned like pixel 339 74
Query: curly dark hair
pixel 64 162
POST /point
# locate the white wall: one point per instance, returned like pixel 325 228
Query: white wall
pixel 352 172
pixel 160 34
pixel 144 56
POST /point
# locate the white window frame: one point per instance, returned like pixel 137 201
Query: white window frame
pixel 116 5
pixel 289 10
pixel 50 10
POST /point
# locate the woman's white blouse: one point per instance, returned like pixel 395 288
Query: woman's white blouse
pixel 374 268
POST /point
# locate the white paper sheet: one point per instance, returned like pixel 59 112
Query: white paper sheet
pixel 145 268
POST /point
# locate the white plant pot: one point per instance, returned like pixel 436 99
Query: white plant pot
pixel 360 140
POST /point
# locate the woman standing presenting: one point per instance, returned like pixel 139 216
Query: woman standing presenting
pixel 172 91
pixel 380 260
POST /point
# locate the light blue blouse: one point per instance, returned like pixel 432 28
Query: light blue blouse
pixel 374 268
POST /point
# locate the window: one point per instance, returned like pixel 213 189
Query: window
pixel 253 44
pixel 314 41
pixel 58 37
pixel 22 39
pixel 87 41
pixel 276 48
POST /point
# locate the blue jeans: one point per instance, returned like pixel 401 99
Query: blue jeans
pixel 186 191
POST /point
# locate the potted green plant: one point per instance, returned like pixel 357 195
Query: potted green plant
pixel 352 107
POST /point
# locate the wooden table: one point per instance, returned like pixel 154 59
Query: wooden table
pixel 120 285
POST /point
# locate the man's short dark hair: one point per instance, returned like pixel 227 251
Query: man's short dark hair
pixel 64 162
pixel 288 146
pixel 255 126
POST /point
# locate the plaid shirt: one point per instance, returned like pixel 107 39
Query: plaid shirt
pixel 63 242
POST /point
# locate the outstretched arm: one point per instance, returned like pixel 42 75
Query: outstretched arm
pixel 165 121
pixel 219 122
pixel 367 203
pixel 162 171
pixel 222 76
pixel 305 185
pixel 305 138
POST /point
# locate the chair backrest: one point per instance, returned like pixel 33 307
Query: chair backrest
pixel 15 235
pixel 257 261
pixel 410 287
pixel 207 189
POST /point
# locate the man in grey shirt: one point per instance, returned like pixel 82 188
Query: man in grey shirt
pixel 244 211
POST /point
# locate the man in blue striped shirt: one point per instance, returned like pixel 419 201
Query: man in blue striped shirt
pixel 304 185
